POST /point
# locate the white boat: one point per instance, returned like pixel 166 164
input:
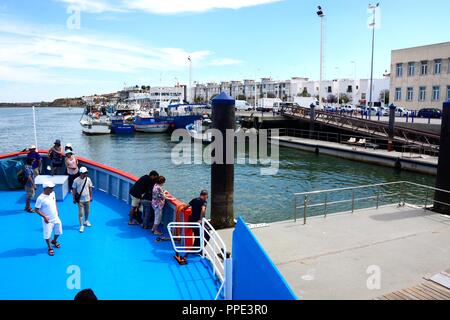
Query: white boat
pixel 95 122
pixel 199 131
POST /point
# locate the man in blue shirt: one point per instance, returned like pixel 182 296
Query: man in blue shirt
pixel 36 157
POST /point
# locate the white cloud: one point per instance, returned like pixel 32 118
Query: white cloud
pixel 33 53
pixel 225 62
pixel 164 6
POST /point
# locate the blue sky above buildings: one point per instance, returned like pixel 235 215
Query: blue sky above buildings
pixel 148 41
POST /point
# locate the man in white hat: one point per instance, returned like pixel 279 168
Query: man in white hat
pixel 82 195
pixel 36 157
pixel 46 207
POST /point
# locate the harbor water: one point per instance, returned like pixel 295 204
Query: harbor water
pixel 258 198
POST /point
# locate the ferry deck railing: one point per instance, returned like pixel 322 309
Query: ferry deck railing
pixel 211 248
pixel 344 200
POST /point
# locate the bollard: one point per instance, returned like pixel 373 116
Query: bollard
pixel 222 174
pixel 443 173
pixel 392 109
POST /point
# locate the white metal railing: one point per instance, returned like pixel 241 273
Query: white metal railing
pixel 365 197
pixel 211 247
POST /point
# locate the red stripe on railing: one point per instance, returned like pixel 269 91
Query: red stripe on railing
pixel 124 174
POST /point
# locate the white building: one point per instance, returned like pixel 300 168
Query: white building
pixel 157 94
pixel 357 91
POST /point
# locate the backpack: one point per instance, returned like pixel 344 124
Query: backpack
pixel 21 177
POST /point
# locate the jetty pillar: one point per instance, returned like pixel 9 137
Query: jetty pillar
pixel 222 173
pixel 392 109
pixel 443 172
pixel 312 120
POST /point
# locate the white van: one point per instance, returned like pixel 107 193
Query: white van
pixel 242 105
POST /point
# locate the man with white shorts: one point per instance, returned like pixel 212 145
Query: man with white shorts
pixel 51 223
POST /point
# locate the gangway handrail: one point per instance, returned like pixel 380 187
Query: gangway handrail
pixel 212 247
pixel 402 193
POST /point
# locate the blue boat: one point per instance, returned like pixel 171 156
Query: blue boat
pixel 151 124
pixel 120 126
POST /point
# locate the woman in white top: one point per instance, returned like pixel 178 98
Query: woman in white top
pixel 72 167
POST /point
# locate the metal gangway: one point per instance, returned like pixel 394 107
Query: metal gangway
pixel 211 247
pixel 359 125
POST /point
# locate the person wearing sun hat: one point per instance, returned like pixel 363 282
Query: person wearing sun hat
pixel 56 156
pixel 36 159
pixel 51 223
pixel 72 167
pixel 82 195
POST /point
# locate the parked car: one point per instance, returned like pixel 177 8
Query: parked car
pixel 347 108
pixel 329 108
pixel 383 112
pixel 402 112
pixel 430 113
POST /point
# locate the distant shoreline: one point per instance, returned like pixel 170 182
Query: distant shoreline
pixel 37 105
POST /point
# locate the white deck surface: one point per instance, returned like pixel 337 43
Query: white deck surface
pixel 328 258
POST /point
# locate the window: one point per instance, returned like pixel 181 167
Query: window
pixel 436 93
pixel 422 93
pixel 437 66
pixel 363 96
pixel 424 68
pixel 448 92
pixel 350 89
pixel 398 94
pixel 411 69
pixel 399 69
pixel 330 89
pixel 410 95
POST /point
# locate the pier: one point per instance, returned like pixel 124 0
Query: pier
pixel 328 258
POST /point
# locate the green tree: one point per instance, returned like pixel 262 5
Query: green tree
pixel 344 98
pixel 304 93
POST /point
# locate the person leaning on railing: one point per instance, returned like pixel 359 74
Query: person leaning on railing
pixel 144 185
pixel 198 206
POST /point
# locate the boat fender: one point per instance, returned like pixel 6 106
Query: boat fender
pixel 398 165
pixel 317 151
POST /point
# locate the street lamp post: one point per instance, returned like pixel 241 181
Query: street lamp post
pixel 374 9
pixel 321 15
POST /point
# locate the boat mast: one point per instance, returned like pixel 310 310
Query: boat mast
pixel 34 128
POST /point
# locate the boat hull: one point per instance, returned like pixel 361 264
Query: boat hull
pixel 122 129
pixel 152 128
pixel 96 129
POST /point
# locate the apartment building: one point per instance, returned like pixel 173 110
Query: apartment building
pixel 356 90
pixel 420 76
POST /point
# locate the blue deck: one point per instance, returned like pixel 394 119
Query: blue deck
pixel 117 261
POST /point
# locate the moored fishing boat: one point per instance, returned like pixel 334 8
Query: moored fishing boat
pixel 95 121
pixel 150 124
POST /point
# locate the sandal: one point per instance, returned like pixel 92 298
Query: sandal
pixel 133 223
pixel 51 253
pixel 56 244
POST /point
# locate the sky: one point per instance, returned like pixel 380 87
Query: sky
pixel 70 48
